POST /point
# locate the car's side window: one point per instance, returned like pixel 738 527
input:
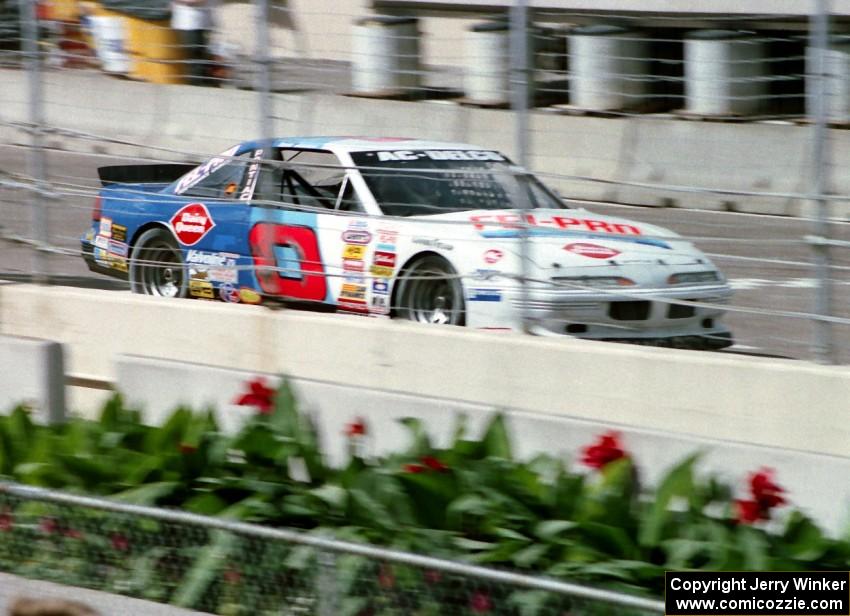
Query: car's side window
pixel 303 179
pixel 226 182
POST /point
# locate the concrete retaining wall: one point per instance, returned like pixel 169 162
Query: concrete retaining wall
pixel 32 372
pixel 758 401
pixel 761 158
pixel 158 386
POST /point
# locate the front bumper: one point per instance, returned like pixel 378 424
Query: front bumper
pixel 686 317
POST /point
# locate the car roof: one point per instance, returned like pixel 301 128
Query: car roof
pixel 365 144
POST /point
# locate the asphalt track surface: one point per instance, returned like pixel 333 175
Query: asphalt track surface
pixel 765 257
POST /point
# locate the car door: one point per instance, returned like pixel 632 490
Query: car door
pixel 294 229
pixel 210 221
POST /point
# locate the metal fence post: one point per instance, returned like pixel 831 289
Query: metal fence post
pixel 263 77
pixel 327 584
pixel 519 96
pixel 36 161
pixel 823 346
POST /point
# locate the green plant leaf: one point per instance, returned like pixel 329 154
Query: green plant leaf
pixel 205 569
pixel 497 444
pixel 678 482
pixel 149 494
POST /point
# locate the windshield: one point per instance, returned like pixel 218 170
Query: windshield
pixel 419 182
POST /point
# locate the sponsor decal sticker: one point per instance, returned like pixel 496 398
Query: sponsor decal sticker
pixel 101 241
pixel 353 252
pixel 380 304
pixel 100 256
pixel 352 305
pixel 119 233
pixel 253 174
pixel 432 243
pixel 201 288
pixel 440 155
pixel 493 225
pixel 355 236
pixel 353 265
pixel 381 272
pixel 229 293
pixel 118 248
pixel 201 171
pixel 105 227
pixel 380 286
pixel 485 295
pixel 594 251
pixel 353 291
pixel 485 274
pixel 494 255
pixel 384 259
pixel 217 259
pixel 116 262
pixel 249 296
pixel 387 236
pixel 357 279
pixel 191 223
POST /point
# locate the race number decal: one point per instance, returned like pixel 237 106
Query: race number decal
pixel 310 283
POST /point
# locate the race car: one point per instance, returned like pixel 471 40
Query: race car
pixel 432 232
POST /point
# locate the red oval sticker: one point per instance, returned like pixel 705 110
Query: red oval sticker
pixel 594 251
pixel 493 255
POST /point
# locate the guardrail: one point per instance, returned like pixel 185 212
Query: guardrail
pixel 222 566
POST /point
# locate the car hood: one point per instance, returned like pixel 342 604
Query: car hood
pixel 561 227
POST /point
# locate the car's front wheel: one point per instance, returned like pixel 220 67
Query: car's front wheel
pixel 430 291
pixel 156 265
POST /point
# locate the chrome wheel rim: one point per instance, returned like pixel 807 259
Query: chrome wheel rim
pixel 432 295
pixel 162 270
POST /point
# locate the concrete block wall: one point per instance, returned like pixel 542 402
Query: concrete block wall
pixel 176 122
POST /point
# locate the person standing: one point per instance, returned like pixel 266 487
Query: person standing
pixel 193 21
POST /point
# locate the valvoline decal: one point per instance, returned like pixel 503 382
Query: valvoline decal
pixel 594 251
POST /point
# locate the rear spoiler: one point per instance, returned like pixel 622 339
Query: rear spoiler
pixel 143 174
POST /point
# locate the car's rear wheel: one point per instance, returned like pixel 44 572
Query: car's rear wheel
pixel 157 267
pixel 430 291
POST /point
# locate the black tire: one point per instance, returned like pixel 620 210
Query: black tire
pixel 157 267
pixel 430 291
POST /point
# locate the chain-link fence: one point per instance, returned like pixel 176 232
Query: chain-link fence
pixel 709 118
pixel 224 567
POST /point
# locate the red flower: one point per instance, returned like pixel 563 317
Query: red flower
pixel 232 576
pixel 434 464
pixel 119 542
pixel 604 451
pixel 186 448
pixel 480 602
pixel 748 511
pixel 6 521
pixel 765 491
pixel 356 428
pixel 73 533
pixel 413 468
pixel 48 526
pixel 386 579
pixel 258 395
pixel 765 496
pixel 433 577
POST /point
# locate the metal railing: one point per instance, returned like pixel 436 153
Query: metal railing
pixel 226 567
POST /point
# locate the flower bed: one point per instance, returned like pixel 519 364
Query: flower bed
pixel 470 501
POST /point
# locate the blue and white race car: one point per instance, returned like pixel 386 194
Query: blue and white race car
pixel 419 230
